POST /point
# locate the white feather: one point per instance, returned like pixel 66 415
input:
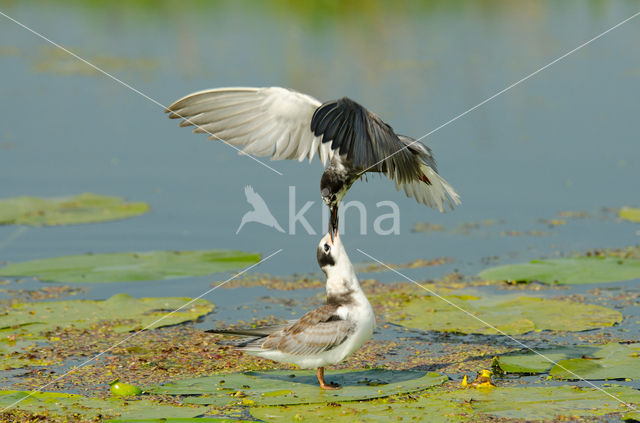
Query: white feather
pixel 269 121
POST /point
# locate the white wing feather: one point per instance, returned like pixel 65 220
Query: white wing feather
pixel 269 121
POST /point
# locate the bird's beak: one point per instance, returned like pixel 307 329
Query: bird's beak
pixel 333 223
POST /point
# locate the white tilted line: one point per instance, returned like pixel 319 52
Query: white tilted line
pixel 31 393
pixel 505 89
pixel 134 89
pixel 500 332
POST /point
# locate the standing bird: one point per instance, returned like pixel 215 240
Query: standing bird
pixel 285 124
pixel 326 335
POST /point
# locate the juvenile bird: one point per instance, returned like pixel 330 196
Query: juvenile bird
pixel 326 335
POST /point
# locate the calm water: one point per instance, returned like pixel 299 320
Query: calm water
pixel 567 139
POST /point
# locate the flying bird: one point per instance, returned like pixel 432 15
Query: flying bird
pixel 285 124
pixel 326 335
pixel 260 212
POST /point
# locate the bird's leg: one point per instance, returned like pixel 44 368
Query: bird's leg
pixel 323 384
pixel 333 221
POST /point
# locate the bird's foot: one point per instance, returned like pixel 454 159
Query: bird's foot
pixel 323 384
pixel 330 386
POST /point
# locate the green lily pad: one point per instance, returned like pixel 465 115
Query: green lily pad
pixel 609 361
pixel 57 403
pixel 630 213
pixel 526 403
pixel 538 403
pixel 128 314
pixel 532 363
pixel 123 267
pixel 433 409
pixel 511 315
pixel 181 420
pixel 632 416
pixel 297 387
pixel 579 270
pixel 83 208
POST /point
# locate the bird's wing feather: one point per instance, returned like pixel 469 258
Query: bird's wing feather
pixel 269 121
pixel 365 139
pixel 317 331
pixel 431 190
pixel 372 145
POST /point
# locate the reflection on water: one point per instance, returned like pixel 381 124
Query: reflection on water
pixel 563 141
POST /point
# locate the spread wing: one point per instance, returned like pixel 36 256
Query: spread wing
pixel 372 145
pixel 317 331
pixel 366 140
pixel 269 121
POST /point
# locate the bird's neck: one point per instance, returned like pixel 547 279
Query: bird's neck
pixel 343 286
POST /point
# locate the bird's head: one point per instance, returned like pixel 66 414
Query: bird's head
pixel 332 189
pixel 328 197
pixel 331 253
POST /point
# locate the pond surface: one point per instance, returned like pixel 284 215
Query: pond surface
pixel 564 140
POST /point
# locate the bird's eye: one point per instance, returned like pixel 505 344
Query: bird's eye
pixel 326 247
pixel 333 197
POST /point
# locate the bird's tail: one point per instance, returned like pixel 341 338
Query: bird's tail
pixel 253 332
pixel 240 332
pixel 431 189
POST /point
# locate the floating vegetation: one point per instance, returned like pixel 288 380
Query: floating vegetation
pixel 632 416
pixel 124 267
pixel 610 361
pixel 568 214
pixel 287 387
pixel 15 354
pixel 463 228
pixel 151 357
pixel 467 228
pixel 46 292
pixel 57 403
pixel 22 324
pixel 523 233
pixel 427 227
pixel 508 313
pixel 31 319
pixel 525 403
pixel 531 363
pixel 83 208
pixel 552 223
pixel 122 389
pixel 578 270
pixel 182 420
pixel 376 267
pixel 482 380
pixel 630 213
